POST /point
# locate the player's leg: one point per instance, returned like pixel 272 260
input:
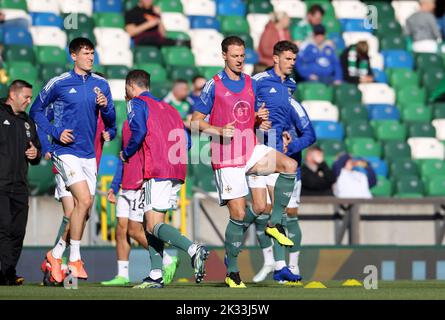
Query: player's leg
pixel 265 161
pixel 294 230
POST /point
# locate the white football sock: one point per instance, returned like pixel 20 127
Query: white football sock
pixel 122 268
pixel 166 259
pixel 280 265
pixel 293 262
pixel 59 249
pixel 268 256
pixel 192 249
pixel 74 250
pixel 155 274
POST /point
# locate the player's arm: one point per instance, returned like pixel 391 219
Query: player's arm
pixel 43 137
pixel 137 121
pixel 302 124
pixel 38 112
pixel 117 179
pixel 108 112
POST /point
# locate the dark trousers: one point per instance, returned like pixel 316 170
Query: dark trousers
pixel 13 218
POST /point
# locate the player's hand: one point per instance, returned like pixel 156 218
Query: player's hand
pixel 101 100
pixel 32 152
pixel 228 131
pixel 263 112
pixel 47 156
pixel 313 77
pixel 287 138
pixel 265 125
pixel 121 156
pixel 106 135
pixel 67 136
pixel 111 196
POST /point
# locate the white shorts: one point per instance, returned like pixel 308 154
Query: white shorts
pixel 161 195
pixel 73 169
pixel 61 190
pixel 231 182
pixel 131 204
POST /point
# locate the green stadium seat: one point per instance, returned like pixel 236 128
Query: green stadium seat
pixel 331 24
pixel 394 149
pixel 436 187
pixel 177 35
pixel 410 95
pixel 363 147
pixel 400 78
pixel 315 91
pixel 116 72
pixel 49 54
pixel 18 53
pixel 392 42
pixel 49 71
pixel 81 33
pixel 41 178
pixel 259 6
pixel 346 93
pixel 84 22
pixel 297 32
pixel 246 38
pixel 432 78
pixel 390 130
pixel 359 129
pixel 388 27
pixel 383 188
pixel 121 113
pixel 98 68
pixel 428 60
pixel 409 187
pixel 416 114
pixel 3 90
pixel 179 56
pixel 147 54
pixel 332 147
pixel 403 167
pixel 431 167
pixel 182 72
pixel 421 129
pixel 14 4
pixel 157 72
pixel 438 110
pixel 109 20
pixel 130 4
pixel 209 72
pixel 234 24
pixel 161 89
pixel 22 70
pixel 170 6
pixel 112 147
pixel 353 113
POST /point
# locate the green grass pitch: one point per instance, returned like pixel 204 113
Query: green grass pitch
pixel 400 290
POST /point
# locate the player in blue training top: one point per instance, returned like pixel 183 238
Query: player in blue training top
pixel 291 132
pixel 77 97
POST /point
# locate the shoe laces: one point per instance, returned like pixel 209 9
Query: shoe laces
pixel 280 228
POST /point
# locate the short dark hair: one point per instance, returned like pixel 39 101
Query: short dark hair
pixel 231 40
pixel 78 43
pixel 198 76
pixel 316 8
pixel 18 85
pixel 141 78
pixel 284 45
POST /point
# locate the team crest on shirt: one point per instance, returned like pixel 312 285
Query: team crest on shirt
pixel 228 189
pixel 241 111
pixel 72 173
pixel 97 90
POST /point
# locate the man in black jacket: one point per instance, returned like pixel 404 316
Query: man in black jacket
pixel 316 176
pixel 19 145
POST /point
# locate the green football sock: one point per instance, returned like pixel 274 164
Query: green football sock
pixel 294 233
pixel 260 225
pixel 171 236
pixel 62 227
pixel 233 241
pixel 156 250
pixel 282 193
pixel 279 252
pixel 249 217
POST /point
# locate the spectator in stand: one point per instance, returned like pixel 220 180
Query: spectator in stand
pixel 423 28
pixel 198 84
pixel 314 16
pixel 143 24
pixel 177 98
pixel 316 176
pixel 355 177
pixel 277 29
pixel 317 60
pixel 356 65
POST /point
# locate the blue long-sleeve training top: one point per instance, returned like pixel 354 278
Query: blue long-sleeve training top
pixel 285 113
pixel 74 102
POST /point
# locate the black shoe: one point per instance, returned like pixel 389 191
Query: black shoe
pixel 15 281
pixel 233 280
